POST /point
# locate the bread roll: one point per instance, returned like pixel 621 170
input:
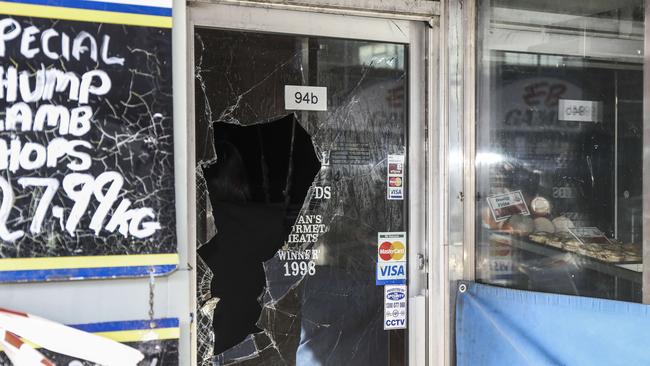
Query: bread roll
pixel 544 225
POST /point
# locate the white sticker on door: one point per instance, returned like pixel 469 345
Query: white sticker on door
pixel 391 258
pixel 305 98
pixel 395 307
pixel 395 178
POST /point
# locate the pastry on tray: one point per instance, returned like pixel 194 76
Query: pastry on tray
pixel 555 241
pixel 539 237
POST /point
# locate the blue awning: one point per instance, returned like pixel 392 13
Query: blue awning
pixel 498 326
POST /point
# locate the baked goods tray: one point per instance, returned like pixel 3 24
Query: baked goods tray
pixel 610 268
pixel 603 251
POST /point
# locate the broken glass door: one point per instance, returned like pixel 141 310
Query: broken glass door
pixel 301 151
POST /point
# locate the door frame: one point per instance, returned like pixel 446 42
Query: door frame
pixel 421 35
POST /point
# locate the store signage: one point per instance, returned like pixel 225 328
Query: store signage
pixel 322 193
pixel 580 110
pixel 297 260
pixel 391 258
pixel 395 307
pixel 305 98
pixel 530 103
pixel 157 341
pixel 395 177
pixel 507 204
pixel 86 140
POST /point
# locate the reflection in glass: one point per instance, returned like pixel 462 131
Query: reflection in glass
pixel 559 147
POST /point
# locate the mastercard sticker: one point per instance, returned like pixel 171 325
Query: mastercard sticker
pixel 392 250
pixel 394 181
pixel 391 258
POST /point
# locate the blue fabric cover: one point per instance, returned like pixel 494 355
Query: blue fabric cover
pixel 498 326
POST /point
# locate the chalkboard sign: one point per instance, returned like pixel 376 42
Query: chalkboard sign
pixel 86 140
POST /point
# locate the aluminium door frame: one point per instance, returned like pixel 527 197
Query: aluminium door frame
pixel 421 35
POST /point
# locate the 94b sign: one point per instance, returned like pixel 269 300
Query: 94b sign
pixel 305 98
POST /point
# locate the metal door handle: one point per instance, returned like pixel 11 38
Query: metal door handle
pixel 420 261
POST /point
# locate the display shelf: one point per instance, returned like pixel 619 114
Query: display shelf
pixel 612 269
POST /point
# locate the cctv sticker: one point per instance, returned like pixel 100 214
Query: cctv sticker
pixel 395 308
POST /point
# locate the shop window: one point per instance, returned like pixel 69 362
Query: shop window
pixel 559 162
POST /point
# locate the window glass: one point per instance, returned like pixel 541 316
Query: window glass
pixel 559 146
pixel 294 135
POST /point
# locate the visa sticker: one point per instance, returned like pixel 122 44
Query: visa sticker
pixel 391 273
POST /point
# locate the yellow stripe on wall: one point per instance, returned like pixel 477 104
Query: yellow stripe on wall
pixel 138 335
pixel 23 264
pixel 84 15
pixel 125 336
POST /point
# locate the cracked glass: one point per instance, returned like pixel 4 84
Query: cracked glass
pixel 290 202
